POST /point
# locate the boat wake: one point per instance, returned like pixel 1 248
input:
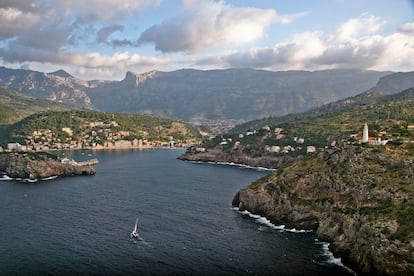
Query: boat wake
pixel 136 237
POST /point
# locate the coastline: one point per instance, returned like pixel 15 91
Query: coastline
pixel 237 158
pixel 361 213
pixel 282 228
pixel 35 166
pixel 239 165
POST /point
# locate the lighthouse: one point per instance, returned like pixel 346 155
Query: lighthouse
pixel 365 134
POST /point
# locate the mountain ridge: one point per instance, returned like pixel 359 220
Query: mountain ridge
pixel 199 96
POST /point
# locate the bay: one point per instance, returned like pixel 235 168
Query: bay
pixel 82 224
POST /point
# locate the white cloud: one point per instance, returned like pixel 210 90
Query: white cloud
pixel 356 27
pixel 407 28
pixel 351 48
pixel 122 60
pixel 96 65
pixel 205 24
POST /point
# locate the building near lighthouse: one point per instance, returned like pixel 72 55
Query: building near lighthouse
pixel 370 140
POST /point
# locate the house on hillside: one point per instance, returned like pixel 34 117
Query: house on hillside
pixel 16 147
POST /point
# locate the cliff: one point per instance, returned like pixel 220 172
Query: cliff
pixel 38 166
pixel 359 198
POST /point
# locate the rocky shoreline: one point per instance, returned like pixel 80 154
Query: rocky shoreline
pixel 39 166
pixel 360 199
pixel 217 155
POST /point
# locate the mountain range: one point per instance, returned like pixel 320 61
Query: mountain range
pixel 199 96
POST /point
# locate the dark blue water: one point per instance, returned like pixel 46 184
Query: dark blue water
pixel 82 224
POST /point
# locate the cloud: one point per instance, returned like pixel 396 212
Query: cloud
pixel 38 45
pixel 44 31
pixel 103 34
pixel 119 60
pixel 205 24
pixel 347 47
pixel 96 10
pixel 21 17
pixel 91 65
pixel 407 28
pixel 356 27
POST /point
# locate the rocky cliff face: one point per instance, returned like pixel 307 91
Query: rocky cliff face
pixel 26 166
pixel 360 199
pixel 58 86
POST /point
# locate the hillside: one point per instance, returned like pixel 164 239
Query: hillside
pixel 215 97
pixel 359 198
pixel 58 86
pixel 395 83
pixel 15 106
pixel 273 144
pixel 91 129
pixel 364 99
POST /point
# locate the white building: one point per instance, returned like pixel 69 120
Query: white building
pixel 365 136
pixel 371 140
pixel 16 146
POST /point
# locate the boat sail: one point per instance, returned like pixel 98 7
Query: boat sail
pixel 134 233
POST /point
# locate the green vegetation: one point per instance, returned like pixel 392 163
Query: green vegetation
pixel 388 119
pixel 43 156
pixel 15 106
pixel 90 127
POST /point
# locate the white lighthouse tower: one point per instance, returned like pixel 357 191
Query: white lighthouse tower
pixel 365 134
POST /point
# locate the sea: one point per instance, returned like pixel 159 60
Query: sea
pixel 186 224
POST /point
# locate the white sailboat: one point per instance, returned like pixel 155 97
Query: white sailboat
pixel 134 233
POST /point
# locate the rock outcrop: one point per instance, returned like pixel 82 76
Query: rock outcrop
pixel 18 165
pixel 359 198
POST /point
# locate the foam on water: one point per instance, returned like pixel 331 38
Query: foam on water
pixel 234 165
pixel 265 221
pixel 242 166
pixel 331 258
pixel 30 180
pixel 49 178
pixel 5 177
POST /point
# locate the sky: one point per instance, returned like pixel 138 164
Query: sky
pixel 103 39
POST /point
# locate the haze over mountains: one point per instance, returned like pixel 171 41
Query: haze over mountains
pixel 196 96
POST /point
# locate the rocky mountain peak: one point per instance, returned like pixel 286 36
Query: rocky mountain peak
pixel 139 78
pixel 61 73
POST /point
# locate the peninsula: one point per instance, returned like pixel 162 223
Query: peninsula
pixel 348 175
pixel 357 197
pixel 40 165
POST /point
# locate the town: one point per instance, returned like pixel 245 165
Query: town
pixel 276 140
pixel 94 135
